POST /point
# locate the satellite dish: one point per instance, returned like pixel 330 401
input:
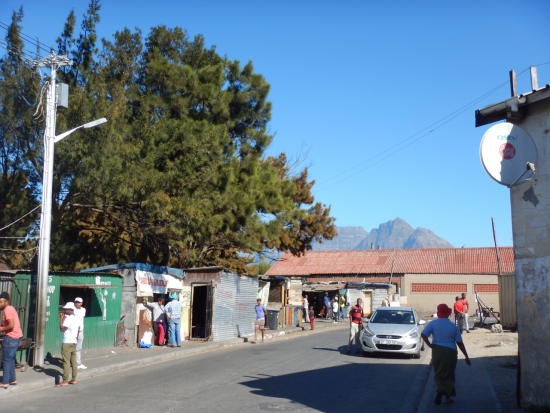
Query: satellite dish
pixel 505 151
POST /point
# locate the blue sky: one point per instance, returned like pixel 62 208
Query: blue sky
pixel 351 79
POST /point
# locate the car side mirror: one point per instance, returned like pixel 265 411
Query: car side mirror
pixel 421 322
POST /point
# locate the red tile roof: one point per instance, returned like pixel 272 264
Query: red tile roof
pixel 418 261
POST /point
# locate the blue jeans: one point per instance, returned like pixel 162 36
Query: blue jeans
pixel 175 336
pixel 9 348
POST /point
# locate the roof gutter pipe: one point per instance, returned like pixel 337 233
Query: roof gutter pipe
pixel 511 104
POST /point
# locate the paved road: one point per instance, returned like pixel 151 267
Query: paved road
pixel 307 372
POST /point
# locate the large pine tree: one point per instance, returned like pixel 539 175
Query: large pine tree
pixel 179 176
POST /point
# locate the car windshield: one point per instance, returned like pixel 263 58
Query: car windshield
pixel 393 317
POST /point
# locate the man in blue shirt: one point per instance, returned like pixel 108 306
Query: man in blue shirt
pixel 327 306
pixel 261 312
pixel 173 313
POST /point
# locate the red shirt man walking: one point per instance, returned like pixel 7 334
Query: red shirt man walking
pixel 12 328
pixel 356 325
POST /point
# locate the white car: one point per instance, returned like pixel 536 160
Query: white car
pixel 393 330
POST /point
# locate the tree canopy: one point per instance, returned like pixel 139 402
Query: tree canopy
pixel 179 176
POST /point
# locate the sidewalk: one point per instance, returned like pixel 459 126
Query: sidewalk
pixel 476 384
pixel 110 359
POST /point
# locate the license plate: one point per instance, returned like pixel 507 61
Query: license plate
pixel 388 342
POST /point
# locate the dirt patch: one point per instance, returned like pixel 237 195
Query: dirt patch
pixel 499 354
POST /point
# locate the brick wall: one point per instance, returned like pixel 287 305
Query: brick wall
pixel 486 288
pixel 438 288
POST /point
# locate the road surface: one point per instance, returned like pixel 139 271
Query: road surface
pixel 304 372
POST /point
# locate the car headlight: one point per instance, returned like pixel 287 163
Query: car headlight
pixel 367 332
pixel 412 334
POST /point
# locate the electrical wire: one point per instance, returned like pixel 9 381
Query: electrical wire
pixel 440 123
pixel 27 38
pixel 19 219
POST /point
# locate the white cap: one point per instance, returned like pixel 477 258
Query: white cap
pixel 78 300
pixel 69 306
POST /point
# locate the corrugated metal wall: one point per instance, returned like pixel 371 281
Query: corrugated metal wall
pixel 507 299
pixel 295 293
pixel 234 301
pixel 378 296
pixel 352 296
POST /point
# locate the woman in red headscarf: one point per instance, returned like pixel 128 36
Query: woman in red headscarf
pixel 446 338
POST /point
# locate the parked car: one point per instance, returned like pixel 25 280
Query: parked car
pixel 393 330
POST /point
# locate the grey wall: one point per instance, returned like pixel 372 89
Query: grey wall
pixel 128 305
pixel 531 229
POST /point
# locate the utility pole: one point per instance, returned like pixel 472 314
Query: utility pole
pixel 53 62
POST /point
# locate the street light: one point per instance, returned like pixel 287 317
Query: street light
pixel 46 222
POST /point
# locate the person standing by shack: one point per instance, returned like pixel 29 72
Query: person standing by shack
pixel 356 325
pixel 159 319
pixel 70 326
pixel 12 328
pixel 335 310
pixel 173 313
pixel 327 306
pixel 342 306
pixel 459 314
pixel 311 317
pixel 446 338
pixel 79 313
pixel 306 308
pixel 261 313
pixel 466 306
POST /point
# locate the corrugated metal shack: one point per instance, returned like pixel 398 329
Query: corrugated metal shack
pixel 141 280
pixel 100 292
pixel 372 295
pixel 221 304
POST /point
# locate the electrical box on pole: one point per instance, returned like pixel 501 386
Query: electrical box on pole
pixel 62 95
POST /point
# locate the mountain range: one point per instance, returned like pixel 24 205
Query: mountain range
pixel 396 234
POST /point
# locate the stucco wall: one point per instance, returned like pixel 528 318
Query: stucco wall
pixel 426 302
pixel 530 202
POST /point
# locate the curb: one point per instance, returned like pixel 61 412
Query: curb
pixel 50 381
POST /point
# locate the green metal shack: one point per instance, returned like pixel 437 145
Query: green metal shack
pixel 101 293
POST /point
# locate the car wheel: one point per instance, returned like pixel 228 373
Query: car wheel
pixel 423 347
pixel 417 355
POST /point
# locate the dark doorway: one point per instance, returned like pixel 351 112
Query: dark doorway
pixel 198 315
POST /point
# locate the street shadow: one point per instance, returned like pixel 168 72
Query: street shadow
pixel 379 355
pixel 361 385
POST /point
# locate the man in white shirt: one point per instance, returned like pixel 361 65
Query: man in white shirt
pixel 306 308
pixel 335 310
pixel 69 325
pixel 79 313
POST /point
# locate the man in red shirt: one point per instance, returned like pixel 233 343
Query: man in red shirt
pixel 356 325
pixel 459 314
pixel 10 343
pixel 466 306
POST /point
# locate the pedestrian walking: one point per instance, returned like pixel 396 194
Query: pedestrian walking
pixel 311 317
pixel 261 312
pixel 159 319
pixel 459 314
pixel 70 326
pixel 466 306
pixel 79 313
pixel 335 310
pixel 12 329
pixel 173 313
pixel 356 325
pixel 386 302
pixel 327 306
pixel 446 338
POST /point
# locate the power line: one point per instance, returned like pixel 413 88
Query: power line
pixel 449 117
pixel 19 219
pixel 34 42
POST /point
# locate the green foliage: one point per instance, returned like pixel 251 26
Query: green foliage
pixel 179 176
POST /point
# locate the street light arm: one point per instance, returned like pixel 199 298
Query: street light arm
pixel 92 124
pixel 64 134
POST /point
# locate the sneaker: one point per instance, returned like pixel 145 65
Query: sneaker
pixel 82 366
pixel 468 331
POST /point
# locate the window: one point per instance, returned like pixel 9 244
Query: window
pixel 393 317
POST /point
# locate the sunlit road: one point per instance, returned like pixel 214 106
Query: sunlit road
pixel 305 372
